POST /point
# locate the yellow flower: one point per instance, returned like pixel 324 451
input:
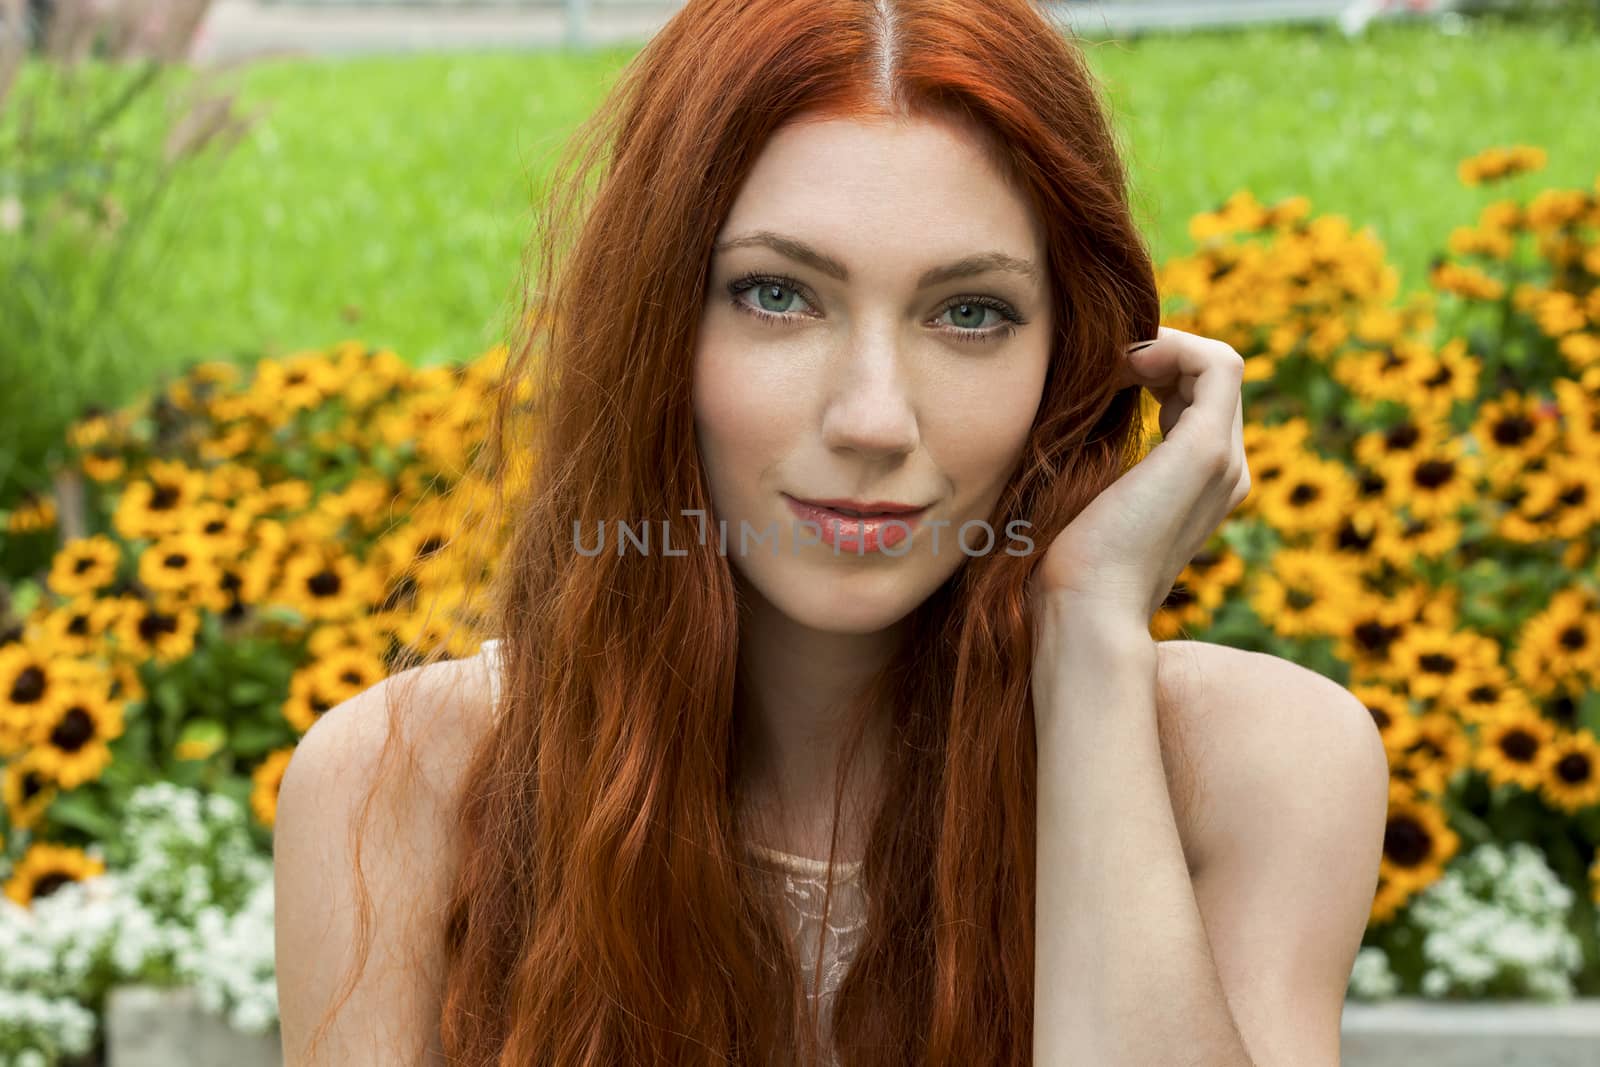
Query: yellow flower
pixel 156 503
pixel 84 565
pixel 27 790
pixel 1466 281
pixel 46 867
pixel 33 514
pixel 1572 778
pixel 195 749
pixel 72 739
pixel 1497 164
pixel 1417 843
pixel 267 778
pixel 31 687
pixel 1515 749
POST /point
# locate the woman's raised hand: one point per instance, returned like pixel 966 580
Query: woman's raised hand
pixel 1123 552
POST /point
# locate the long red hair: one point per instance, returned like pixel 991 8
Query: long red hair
pixel 605 910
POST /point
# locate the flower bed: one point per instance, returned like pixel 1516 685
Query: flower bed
pixel 1423 528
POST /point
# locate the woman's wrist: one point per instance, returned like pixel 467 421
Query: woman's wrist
pixel 1068 622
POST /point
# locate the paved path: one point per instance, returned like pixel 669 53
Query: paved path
pixel 240 28
pixel 237 28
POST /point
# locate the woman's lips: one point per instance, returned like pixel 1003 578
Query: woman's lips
pixel 856 533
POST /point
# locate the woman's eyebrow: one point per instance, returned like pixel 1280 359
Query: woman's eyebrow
pixel 798 250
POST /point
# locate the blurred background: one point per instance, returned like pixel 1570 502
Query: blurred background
pixel 258 265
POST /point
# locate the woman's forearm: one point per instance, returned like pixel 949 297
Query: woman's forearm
pixel 1123 973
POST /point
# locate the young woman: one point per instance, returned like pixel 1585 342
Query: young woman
pixel 866 753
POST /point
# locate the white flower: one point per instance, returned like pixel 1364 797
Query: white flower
pixel 1496 924
pixel 191 901
pixel 1371 978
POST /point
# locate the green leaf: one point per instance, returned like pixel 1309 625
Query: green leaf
pixel 206 732
pixel 254 738
pixel 1589 711
pixel 167 695
pixel 249 692
pixel 81 812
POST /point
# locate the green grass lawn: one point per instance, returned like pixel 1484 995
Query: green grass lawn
pixel 389 199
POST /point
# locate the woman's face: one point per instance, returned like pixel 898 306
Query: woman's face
pixel 839 360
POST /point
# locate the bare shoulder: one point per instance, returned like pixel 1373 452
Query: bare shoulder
pixel 1246 728
pixel 437 713
pixel 1287 830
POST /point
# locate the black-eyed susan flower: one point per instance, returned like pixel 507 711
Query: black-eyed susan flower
pixel 1475 241
pixel 288 497
pixel 27 790
pixel 1561 641
pixel 1442 378
pixel 1441 750
pixel 1392 714
pixel 300 381
pixel 1370 626
pixel 73 627
pixel 1437 480
pixel 1199 590
pixel 1572 775
pixel 1466 281
pixel 363 634
pixel 1301 592
pixel 1499 163
pixel 1311 495
pixel 1386 902
pixel 345 672
pixel 330 679
pixel 1514 750
pixel 156 502
pixel 266 780
pixel 46 867
pixel 146 630
pixel 1552 209
pixel 1581 349
pixel 1510 430
pixel 1440 665
pixel 84 565
pixel 230 483
pixel 72 740
pixel 1417 843
pixel 102 463
pixel 31 685
pixel 33 513
pixel 1558 313
pixel 1492 696
pixel 325 585
pixel 176 563
pixel 1561 501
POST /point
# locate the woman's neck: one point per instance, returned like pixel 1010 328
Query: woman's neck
pixel 798 688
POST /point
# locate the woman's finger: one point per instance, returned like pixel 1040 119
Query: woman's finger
pixel 1204 373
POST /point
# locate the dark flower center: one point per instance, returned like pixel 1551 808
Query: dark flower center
pixel 50 883
pixel 74 730
pixel 1574 768
pixel 1406 842
pixel 28 687
pixel 1519 745
pixel 324 583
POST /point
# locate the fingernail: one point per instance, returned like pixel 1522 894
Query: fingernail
pixel 1142 344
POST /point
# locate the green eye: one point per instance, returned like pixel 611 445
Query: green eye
pixel 767 290
pixel 775 297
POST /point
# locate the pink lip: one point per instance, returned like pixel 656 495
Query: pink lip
pixel 864 533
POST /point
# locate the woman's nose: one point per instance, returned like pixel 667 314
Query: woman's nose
pixel 870 406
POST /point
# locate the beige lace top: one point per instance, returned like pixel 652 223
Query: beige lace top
pixel 803 890
pixel 804 885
